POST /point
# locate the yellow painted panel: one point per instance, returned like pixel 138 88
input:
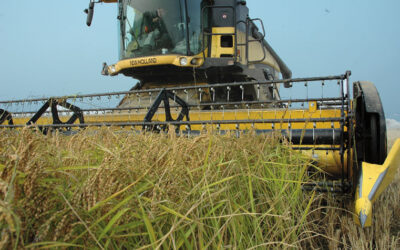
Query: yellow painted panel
pixel 154 61
pixel 373 181
pixel 328 161
pixel 219 115
pixel 278 114
pixel 216 49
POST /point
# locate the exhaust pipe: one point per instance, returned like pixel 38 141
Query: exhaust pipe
pixel 89 11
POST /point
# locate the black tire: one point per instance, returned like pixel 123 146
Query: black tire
pixel 370 129
pixel 373 143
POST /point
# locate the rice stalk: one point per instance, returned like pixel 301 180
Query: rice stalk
pixel 162 191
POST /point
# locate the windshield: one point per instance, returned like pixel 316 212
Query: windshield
pixel 156 27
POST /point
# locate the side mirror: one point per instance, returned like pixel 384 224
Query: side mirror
pixel 89 11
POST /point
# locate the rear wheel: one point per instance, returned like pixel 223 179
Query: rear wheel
pixel 372 146
pixel 370 127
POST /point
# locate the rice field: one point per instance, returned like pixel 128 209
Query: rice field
pixel 107 190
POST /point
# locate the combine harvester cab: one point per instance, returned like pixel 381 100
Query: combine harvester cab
pixel 205 65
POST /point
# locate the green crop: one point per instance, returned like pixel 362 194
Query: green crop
pixel 107 190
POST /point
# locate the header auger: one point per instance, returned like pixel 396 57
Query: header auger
pixel 205 65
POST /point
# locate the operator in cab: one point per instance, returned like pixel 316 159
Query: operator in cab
pixel 160 27
pixel 150 33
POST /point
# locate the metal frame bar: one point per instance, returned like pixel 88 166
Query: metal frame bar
pixel 157 90
pixel 213 122
pixel 164 97
pixel 335 102
pixel 249 22
pixel 5 116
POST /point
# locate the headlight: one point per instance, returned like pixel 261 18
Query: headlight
pixel 112 69
pixel 195 61
pixel 183 61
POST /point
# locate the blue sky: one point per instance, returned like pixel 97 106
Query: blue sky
pixel 47 49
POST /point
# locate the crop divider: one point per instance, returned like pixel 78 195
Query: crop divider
pixel 5 116
pixel 53 104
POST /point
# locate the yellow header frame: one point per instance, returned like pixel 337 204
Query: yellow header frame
pixel 191 61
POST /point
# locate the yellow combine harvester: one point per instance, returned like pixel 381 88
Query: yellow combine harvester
pixel 204 64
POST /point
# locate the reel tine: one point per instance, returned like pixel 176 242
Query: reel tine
pixel 187 95
pixel 150 95
pixel 213 94
pixel 138 96
pixel 200 94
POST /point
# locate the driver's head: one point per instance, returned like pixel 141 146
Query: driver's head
pixel 161 12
